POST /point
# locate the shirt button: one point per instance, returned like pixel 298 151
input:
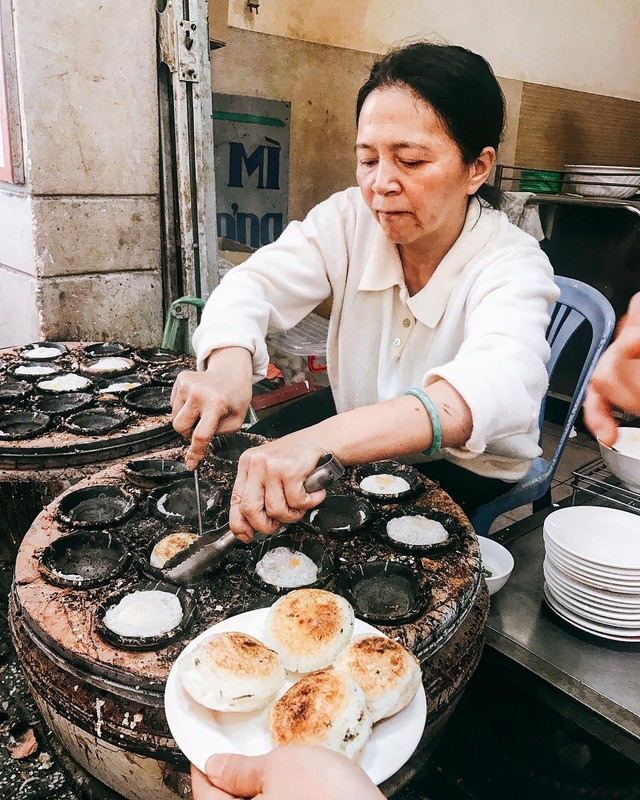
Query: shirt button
pixel 406 322
pixel 397 342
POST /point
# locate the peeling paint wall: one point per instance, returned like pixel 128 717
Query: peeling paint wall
pixel 317 54
pixel 586 45
pixel 80 240
pixel 321 82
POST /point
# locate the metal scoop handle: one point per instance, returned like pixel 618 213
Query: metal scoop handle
pixel 213 546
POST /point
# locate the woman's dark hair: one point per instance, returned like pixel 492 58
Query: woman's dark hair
pixel 460 87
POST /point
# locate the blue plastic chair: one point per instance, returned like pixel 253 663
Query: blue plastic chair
pixel 577 302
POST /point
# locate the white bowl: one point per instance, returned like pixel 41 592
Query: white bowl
pixel 497 560
pixel 596 181
pixel 623 459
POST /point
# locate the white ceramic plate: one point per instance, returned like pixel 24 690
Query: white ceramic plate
pixel 597 630
pixel 606 536
pixel 199 732
pixel 599 616
pixel 609 573
pixel 611 610
pixel 591 575
pixel 595 583
pixel 613 598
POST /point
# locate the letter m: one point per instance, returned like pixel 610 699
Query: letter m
pixel 238 159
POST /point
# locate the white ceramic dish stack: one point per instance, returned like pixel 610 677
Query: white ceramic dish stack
pixel 592 570
pixel 592 180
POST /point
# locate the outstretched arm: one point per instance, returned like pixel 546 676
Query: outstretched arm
pixel 269 487
pixel 616 380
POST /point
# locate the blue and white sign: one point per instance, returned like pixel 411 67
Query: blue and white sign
pixel 251 145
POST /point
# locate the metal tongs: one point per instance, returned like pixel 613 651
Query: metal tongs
pixel 212 547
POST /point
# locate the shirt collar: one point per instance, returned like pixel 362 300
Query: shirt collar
pixel 384 268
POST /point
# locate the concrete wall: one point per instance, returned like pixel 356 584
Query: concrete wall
pixel 80 240
pixel 317 54
pixel 585 45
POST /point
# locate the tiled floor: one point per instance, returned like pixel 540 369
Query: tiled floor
pixel 579 449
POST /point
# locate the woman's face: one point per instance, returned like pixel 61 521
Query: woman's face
pixel 410 171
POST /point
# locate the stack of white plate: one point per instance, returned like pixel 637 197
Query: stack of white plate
pixel 592 570
pixel 593 180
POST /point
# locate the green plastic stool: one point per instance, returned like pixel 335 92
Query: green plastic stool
pixel 176 331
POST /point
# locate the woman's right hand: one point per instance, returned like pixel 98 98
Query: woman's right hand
pixel 212 402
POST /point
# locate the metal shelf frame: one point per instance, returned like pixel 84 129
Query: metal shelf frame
pixel 595 478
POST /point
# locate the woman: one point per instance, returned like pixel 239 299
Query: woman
pixel 436 344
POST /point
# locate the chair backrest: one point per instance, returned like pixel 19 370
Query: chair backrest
pixel 578 302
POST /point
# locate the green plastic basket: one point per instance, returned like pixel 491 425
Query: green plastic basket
pixel 541 181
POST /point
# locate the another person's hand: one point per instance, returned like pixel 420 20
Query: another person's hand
pixel 616 380
pixel 212 402
pixel 287 773
pixel 269 488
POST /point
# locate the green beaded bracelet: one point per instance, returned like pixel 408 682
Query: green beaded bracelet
pixel 436 425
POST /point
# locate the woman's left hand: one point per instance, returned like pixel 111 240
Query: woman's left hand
pixel 269 488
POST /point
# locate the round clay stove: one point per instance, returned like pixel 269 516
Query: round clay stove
pixel 341 515
pixel 384 592
pixel 176 502
pixel 230 447
pixel 284 562
pixel 149 399
pixel 96 421
pixel 151 472
pixel 106 349
pixel 387 482
pixel 16 425
pixel 12 390
pixel 101 506
pixel 104 701
pixel 83 560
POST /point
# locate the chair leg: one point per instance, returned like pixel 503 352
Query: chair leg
pixel 542 502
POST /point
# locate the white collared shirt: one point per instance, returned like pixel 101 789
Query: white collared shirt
pixel 479 322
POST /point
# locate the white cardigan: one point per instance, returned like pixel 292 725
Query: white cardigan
pixel 479 323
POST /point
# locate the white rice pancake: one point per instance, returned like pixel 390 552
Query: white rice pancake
pixel 170 546
pixel 287 568
pixel 308 628
pixel 388 674
pixel 69 382
pixel 118 388
pixel 416 530
pixel 110 364
pixel 384 484
pixel 325 708
pixel 34 369
pixel 41 352
pixel 144 614
pixel 231 672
